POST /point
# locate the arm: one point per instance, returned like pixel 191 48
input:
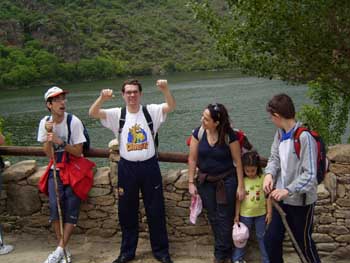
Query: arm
pixel 236 156
pixel 192 165
pixel 273 165
pixel 95 110
pixel 307 179
pixel 238 208
pixel 76 149
pixel 170 102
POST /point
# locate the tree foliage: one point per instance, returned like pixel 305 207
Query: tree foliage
pixel 305 41
pixel 50 41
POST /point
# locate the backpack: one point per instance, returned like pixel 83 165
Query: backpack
pixel 86 144
pixel 241 137
pixel 148 120
pixel 322 161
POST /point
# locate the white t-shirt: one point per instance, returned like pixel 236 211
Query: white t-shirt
pixel 61 130
pixel 136 141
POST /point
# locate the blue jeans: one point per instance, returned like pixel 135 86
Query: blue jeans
pixel 259 222
pixel 220 215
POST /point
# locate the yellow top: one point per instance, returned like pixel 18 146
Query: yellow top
pixel 254 203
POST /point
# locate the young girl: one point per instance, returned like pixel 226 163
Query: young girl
pixel 254 209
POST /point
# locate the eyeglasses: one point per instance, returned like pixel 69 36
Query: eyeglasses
pixel 131 92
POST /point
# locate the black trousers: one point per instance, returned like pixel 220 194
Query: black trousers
pixel 300 221
pixel 144 176
pixel 220 215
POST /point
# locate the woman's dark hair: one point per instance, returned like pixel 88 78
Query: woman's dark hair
pixel 219 113
pixel 132 82
pixel 252 158
pixel 281 104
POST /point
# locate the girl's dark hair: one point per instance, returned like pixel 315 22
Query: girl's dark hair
pixel 131 82
pixel 281 104
pixel 219 113
pixel 252 158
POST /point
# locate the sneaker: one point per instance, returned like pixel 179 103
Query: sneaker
pixel 5 249
pixel 69 257
pixel 240 261
pixel 54 257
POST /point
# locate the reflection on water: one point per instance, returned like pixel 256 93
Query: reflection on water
pixel 244 97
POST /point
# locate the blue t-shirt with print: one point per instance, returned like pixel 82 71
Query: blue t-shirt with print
pixel 214 159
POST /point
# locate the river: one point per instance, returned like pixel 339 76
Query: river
pixel 245 98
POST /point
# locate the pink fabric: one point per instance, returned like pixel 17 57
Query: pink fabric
pixel 196 208
pixel 240 234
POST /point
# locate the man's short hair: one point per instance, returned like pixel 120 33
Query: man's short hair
pixel 132 82
pixel 282 105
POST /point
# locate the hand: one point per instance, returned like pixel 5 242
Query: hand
pixel 162 84
pixel 49 126
pixel 268 218
pixel 192 189
pixel 279 194
pixel 268 183
pixel 240 193
pixel 236 220
pixel 52 137
pixel 106 94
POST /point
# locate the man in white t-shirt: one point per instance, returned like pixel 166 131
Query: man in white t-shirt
pixel 53 132
pixel 138 168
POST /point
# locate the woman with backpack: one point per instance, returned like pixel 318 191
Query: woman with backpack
pixel 291 179
pixel 213 149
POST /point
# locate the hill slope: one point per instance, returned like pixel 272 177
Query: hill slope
pixel 57 40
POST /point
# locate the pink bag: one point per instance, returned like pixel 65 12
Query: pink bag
pixel 196 208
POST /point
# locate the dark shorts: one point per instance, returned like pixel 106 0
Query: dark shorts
pixel 70 203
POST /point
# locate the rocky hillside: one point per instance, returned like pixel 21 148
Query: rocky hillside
pixel 57 40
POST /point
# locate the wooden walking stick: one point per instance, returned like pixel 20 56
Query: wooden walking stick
pixel 58 199
pixel 289 231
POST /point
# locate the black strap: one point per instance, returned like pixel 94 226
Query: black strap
pixel 148 120
pixel 122 120
pixel 69 120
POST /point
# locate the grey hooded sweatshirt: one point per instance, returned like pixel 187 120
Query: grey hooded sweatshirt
pixel 297 175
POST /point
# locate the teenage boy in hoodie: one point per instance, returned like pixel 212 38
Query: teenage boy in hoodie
pixel 291 181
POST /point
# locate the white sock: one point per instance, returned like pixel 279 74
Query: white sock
pixel 59 250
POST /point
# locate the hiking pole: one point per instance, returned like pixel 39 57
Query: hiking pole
pixel 289 231
pixel 58 200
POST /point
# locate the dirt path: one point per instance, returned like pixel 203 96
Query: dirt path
pixel 34 249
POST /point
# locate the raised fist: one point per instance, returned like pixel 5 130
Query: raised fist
pixel 106 94
pixel 162 84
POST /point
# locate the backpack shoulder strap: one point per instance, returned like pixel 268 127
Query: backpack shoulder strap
pixel 148 119
pixel 200 133
pixel 69 120
pixel 296 138
pixel 122 119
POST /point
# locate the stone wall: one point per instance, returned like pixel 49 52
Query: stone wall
pixel 23 208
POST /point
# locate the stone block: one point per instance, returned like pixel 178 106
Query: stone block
pixel 182 182
pixel 339 153
pixel 172 196
pixel 322 238
pixel 101 177
pixel 19 171
pixel 327 219
pixel 341 190
pixel 96 214
pixel 185 204
pixel 322 192
pixel 343 238
pixel 339 168
pixel 101 232
pixel 329 247
pixel 22 200
pixel 35 177
pixel 344 202
pixel 98 191
pixel 342 252
pixel 110 223
pixel 89 224
pixel 105 200
pixel 178 211
pixel 171 177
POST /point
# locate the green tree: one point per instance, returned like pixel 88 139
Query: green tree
pixel 306 41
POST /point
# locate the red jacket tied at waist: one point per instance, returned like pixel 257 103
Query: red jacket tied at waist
pixel 77 172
